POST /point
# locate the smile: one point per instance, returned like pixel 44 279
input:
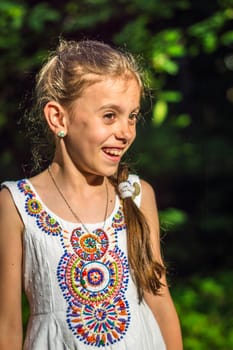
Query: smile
pixel 113 151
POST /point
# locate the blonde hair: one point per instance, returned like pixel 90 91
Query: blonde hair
pixel 68 71
pixel 76 65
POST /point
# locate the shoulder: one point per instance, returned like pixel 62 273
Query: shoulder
pixel 8 212
pixel 150 212
pixel 149 204
pixel 6 200
pixel 143 192
pixel 148 194
pixel 147 188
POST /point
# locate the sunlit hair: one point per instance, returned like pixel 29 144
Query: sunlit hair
pixel 75 65
pixel 146 271
pixel 63 78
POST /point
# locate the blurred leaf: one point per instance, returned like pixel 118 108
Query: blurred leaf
pixel 182 121
pixel 11 14
pixel 173 217
pixel 166 45
pixel 162 63
pixel 189 299
pixel 207 31
pixel 229 10
pixel 25 309
pixel 80 18
pixel 176 50
pixel 136 29
pixel 171 96
pixel 210 42
pixel 214 22
pixel 41 14
pixel 227 38
pixel 210 287
pixel 206 322
pixel 160 112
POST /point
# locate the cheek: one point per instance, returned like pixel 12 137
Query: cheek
pixel 96 135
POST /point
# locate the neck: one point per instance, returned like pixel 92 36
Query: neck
pixel 72 173
pixel 69 206
pixel 72 177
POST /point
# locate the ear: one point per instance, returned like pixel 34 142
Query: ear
pixel 56 117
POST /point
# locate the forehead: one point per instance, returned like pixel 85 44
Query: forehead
pixel 122 91
pixel 115 84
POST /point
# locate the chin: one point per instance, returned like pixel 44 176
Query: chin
pixel 110 172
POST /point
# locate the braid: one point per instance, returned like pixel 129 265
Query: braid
pixel 145 270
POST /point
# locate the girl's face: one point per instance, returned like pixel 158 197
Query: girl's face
pixel 103 125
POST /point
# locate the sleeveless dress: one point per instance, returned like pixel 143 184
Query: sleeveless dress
pixel 78 283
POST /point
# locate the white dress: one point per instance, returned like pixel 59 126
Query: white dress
pixel 78 283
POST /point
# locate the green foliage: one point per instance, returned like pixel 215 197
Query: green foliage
pixel 167 45
pixel 25 309
pixel 207 31
pixel 83 15
pixel 172 218
pixel 12 17
pixel 160 109
pixel 159 112
pixel 227 38
pixel 40 15
pixel 205 309
pixel 136 30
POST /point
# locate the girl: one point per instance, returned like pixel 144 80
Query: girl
pixel 83 235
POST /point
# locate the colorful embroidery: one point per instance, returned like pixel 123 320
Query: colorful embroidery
pixel 48 224
pixel 118 220
pixel 89 246
pixel 25 188
pixel 99 325
pixel 34 208
pixel 93 275
pixel 95 281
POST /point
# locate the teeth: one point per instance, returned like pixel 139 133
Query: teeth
pixel 114 152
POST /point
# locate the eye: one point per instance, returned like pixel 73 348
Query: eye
pixel 109 117
pixel 134 117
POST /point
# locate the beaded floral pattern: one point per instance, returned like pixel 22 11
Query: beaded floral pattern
pixel 89 246
pixel 33 207
pixel 93 275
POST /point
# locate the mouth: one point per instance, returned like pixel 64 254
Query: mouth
pixel 113 153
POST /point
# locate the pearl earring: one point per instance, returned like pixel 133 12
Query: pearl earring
pixel 61 134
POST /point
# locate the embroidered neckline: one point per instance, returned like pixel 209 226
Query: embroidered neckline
pixel 72 223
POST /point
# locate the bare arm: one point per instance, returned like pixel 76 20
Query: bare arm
pixel 162 305
pixel 11 229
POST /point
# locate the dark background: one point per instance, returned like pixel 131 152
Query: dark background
pixel 184 147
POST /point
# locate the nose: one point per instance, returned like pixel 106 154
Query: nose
pixel 124 131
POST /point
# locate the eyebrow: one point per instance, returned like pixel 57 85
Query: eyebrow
pixel 116 107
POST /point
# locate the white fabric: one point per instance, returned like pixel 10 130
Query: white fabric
pixel 57 262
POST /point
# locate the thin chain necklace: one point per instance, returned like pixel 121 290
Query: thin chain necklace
pixel 71 210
